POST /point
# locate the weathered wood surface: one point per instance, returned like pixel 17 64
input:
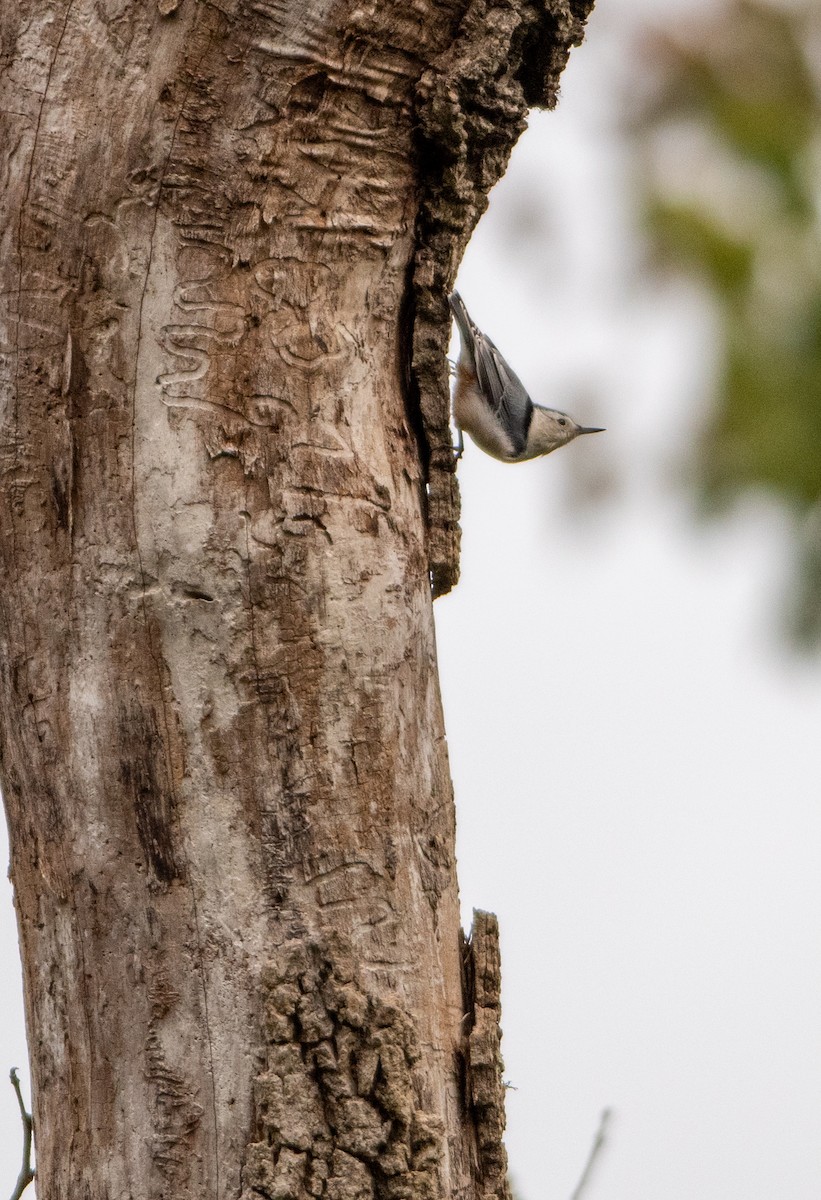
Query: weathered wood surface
pixel 225 238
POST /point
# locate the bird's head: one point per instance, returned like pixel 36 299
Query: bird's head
pixel 550 429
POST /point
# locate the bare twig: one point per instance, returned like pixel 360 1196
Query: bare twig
pixel 595 1150
pixel 26 1173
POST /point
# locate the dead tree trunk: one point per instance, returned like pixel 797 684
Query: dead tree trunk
pixel 227 231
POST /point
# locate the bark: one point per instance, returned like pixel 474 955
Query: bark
pixel 226 236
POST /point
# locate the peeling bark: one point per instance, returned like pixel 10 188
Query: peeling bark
pixel 472 103
pixel 226 486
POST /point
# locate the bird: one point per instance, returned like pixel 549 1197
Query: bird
pixel 491 403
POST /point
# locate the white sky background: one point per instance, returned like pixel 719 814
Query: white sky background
pixel 635 756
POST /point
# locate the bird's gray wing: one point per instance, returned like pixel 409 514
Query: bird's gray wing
pixel 504 390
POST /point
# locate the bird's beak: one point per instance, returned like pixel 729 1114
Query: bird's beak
pixel 591 429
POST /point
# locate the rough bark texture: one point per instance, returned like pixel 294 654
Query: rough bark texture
pixel 226 234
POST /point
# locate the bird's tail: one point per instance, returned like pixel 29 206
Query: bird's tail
pixel 464 323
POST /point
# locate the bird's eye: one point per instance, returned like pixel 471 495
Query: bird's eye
pixel 562 421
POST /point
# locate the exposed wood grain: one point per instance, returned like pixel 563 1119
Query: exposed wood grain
pixel 225 483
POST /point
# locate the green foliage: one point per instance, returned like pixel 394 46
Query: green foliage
pixel 747 220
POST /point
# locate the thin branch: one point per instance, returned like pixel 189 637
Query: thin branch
pixel 26 1173
pixel 595 1150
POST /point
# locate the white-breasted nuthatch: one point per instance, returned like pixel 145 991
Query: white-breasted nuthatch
pixel 491 403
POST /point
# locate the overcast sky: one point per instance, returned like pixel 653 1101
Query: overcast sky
pixel 635 754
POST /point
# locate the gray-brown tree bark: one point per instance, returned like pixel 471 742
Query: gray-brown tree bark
pixel 226 237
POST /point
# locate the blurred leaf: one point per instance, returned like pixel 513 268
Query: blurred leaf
pixel 805 609
pixel 767 431
pixel 743 81
pixel 747 77
pixel 683 232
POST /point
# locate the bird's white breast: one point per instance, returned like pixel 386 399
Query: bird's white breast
pixel 473 415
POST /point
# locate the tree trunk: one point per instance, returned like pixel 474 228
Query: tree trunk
pixel 227 233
